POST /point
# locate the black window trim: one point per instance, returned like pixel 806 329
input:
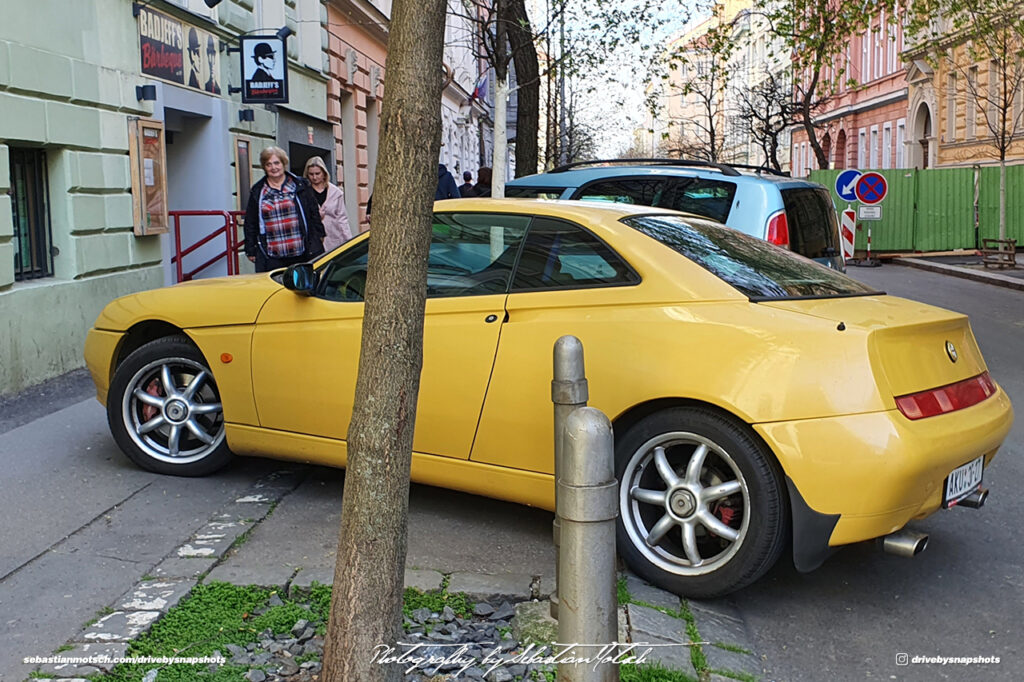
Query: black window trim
pixel 537 188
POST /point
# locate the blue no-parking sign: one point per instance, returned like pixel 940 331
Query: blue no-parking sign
pixel 871 188
pixel 846 184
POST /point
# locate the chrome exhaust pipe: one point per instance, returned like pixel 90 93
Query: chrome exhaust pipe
pixel 975 500
pixel 905 543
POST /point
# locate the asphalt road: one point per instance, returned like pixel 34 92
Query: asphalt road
pixel 81 523
pixel 962 597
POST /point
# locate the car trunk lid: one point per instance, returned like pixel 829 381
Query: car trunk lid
pixel 912 346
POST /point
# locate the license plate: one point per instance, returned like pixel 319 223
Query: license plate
pixel 963 481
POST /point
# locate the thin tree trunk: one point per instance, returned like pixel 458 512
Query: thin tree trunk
pixel 524 56
pixel 500 137
pixel 369 573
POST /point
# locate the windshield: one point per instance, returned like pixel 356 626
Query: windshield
pixel 754 267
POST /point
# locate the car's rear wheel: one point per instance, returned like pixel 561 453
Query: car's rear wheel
pixel 702 507
pixel 165 411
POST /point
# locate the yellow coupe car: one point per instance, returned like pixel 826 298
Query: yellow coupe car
pixel 756 396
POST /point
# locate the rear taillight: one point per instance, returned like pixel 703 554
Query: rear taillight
pixel 778 230
pixel 946 398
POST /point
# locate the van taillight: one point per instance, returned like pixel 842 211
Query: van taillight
pixel 946 398
pixel 778 230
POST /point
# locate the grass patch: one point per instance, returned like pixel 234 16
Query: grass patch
pixel 733 675
pixel 436 600
pixel 622 591
pixel 697 657
pixel 651 672
pixel 213 616
pixel 731 647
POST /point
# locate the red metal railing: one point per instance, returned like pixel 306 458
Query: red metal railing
pixel 232 245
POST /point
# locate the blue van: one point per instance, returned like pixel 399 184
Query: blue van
pixel 791 213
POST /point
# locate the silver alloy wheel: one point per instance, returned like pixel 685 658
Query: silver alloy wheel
pixel 172 411
pixel 684 503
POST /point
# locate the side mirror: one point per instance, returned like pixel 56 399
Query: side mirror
pixel 300 278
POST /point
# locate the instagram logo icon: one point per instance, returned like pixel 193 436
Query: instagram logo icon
pixel 902 659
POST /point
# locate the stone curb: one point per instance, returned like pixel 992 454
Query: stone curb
pixel 993 278
pixel 172 579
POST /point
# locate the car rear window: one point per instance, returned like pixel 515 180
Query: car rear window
pixel 708 198
pixel 533 192
pixel 756 268
pixel 813 229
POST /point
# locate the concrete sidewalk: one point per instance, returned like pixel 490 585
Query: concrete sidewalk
pixel 967 265
pixel 282 534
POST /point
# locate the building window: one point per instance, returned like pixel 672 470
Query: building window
pixel 874 147
pixel 865 57
pixel 30 201
pixel 995 98
pixel 862 148
pixel 886 144
pixel 901 136
pixel 877 45
pixel 951 108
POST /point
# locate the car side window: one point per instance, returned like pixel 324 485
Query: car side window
pixel 637 191
pixel 344 278
pixel 471 254
pixel 701 196
pixel 560 255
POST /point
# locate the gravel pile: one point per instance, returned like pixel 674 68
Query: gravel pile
pixel 440 646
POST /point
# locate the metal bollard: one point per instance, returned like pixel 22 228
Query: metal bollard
pixel 587 500
pixel 568 391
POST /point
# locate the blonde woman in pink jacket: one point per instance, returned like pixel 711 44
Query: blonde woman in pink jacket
pixel 332 203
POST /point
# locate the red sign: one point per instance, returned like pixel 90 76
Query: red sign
pixel 871 188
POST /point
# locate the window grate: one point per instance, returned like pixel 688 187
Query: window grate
pixel 33 253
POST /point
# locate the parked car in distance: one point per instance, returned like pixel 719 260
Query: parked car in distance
pixel 788 212
pixel 760 401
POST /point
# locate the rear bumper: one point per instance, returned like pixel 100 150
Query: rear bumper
pixel 877 471
pixel 100 355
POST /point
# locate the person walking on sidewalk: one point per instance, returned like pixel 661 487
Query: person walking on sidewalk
pixel 466 188
pixel 446 187
pixel 483 183
pixel 282 220
pixel 332 203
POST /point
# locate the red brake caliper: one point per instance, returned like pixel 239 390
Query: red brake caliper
pixel 725 515
pixel 148 411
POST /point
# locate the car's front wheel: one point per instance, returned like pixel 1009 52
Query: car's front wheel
pixel 702 510
pixel 165 411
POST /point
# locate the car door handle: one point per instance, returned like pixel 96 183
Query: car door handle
pixel 491 318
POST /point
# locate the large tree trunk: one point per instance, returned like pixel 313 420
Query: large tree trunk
pixel 369 573
pixel 524 56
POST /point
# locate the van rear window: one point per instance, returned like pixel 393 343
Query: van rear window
pixel 754 267
pixel 813 229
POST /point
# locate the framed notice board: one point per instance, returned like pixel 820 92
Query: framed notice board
pixel 147 151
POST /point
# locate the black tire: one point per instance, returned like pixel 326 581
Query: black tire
pixel 735 483
pixel 164 410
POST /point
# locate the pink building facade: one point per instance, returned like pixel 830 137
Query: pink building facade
pixel 357 49
pixel 865 124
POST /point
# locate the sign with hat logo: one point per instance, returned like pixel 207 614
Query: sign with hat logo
pixel 264 70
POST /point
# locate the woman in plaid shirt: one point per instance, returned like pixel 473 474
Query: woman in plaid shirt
pixel 282 220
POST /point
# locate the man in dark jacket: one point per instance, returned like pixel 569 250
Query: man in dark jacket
pixel 466 188
pixel 446 187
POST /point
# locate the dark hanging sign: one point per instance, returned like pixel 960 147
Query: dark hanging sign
pixel 264 70
pixel 179 53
